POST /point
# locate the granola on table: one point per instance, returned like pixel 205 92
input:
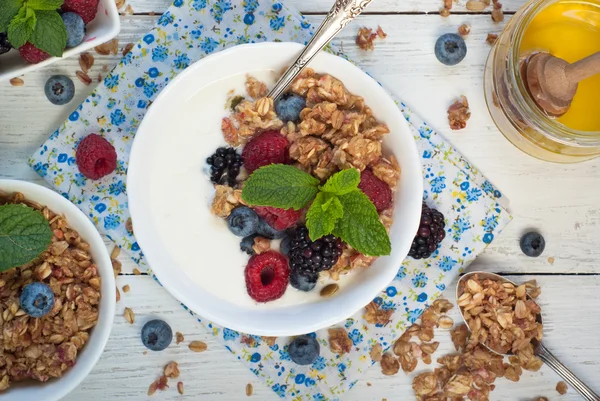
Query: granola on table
pixel 46 347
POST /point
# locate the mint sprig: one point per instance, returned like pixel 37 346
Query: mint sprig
pixel 35 21
pixel 24 235
pixel 338 207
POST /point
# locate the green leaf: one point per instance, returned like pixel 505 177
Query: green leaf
pixel 343 182
pixel 50 34
pixel 50 5
pixel 282 186
pixel 8 11
pixel 322 215
pixel 24 235
pixel 21 27
pixel 360 226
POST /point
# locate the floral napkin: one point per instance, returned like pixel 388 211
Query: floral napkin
pixel 185 33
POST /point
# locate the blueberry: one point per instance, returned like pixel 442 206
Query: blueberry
pixel 75 29
pixel 247 243
pixel 532 244
pixel 450 49
pixel 285 246
pixel 37 299
pixel 157 335
pixel 59 89
pixel 304 350
pixel 5 46
pixel 303 280
pixel 243 221
pixel 265 230
pixel 289 106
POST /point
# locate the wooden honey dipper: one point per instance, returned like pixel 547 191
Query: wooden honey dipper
pixel 552 81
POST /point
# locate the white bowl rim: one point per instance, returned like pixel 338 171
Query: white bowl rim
pixel 102 330
pixel 143 235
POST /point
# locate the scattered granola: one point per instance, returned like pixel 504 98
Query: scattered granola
pixel 464 30
pixel 119 4
pixel 375 315
pixel 389 364
pixel 46 347
pixel 114 254
pixel 126 288
pixel 83 77
pixel 339 342
pixel 198 346
pixel 180 387
pixel 17 82
pixel 366 36
pixel 136 271
pixel 459 113
pixel 249 389
pixel 445 11
pixel 270 341
pixel 375 352
pixel 106 48
pixel 129 315
pixel 261 245
pixel 118 294
pixel 179 338
pixel 127 48
pixel 491 38
pixel 329 290
pixel 86 61
pixel 159 384
pixel 129 225
pixel 497 13
pixel 475 5
pixel 172 370
pixel 561 387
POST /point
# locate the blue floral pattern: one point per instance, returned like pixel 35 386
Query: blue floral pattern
pixel 190 30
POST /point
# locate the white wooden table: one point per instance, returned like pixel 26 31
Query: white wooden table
pixel 562 201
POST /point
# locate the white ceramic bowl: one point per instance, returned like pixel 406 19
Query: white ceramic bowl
pixel 103 28
pixel 191 251
pixel 55 389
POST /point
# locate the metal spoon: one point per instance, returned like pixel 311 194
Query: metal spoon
pixel 342 12
pixel 539 349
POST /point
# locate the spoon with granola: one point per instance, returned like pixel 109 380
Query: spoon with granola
pixel 503 317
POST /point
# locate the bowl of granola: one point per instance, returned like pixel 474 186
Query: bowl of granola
pixel 274 217
pixel 57 293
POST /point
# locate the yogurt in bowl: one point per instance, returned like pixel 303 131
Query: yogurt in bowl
pixel 190 248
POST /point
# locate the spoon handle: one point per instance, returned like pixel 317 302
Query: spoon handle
pixel 550 360
pixel 584 68
pixel 342 12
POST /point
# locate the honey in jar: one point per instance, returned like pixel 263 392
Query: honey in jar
pixel 570 30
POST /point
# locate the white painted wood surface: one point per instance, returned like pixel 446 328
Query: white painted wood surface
pixel 559 200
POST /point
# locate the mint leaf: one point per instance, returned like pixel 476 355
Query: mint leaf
pixel 21 27
pixel 343 182
pixel 50 34
pixel 24 235
pixel 322 215
pixel 282 186
pixel 50 5
pixel 360 226
pixel 8 11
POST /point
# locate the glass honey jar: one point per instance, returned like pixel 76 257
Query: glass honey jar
pixel 569 29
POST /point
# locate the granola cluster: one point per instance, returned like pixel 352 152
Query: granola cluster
pixel 43 348
pixel 336 131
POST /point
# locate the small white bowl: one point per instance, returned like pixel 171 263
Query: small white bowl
pixel 103 28
pixel 55 389
pixel 191 251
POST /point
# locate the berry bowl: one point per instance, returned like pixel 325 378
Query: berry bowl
pixel 175 197
pixel 105 26
pixel 92 347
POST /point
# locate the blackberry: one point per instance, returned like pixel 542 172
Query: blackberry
pixel 313 257
pixel 4 45
pixel 225 165
pixel 431 233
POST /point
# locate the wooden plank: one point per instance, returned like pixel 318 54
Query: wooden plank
pixel 125 372
pixel 405 64
pixel 323 6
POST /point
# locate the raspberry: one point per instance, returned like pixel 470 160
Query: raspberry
pixel 96 157
pixel 378 191
pixel 32 54
pixel 86 9
pixel 270 147
pixel 279 219
pixel 267 276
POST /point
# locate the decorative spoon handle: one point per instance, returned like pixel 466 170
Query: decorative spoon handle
pixel 342 12
pixel 584 68
pixel 550 360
